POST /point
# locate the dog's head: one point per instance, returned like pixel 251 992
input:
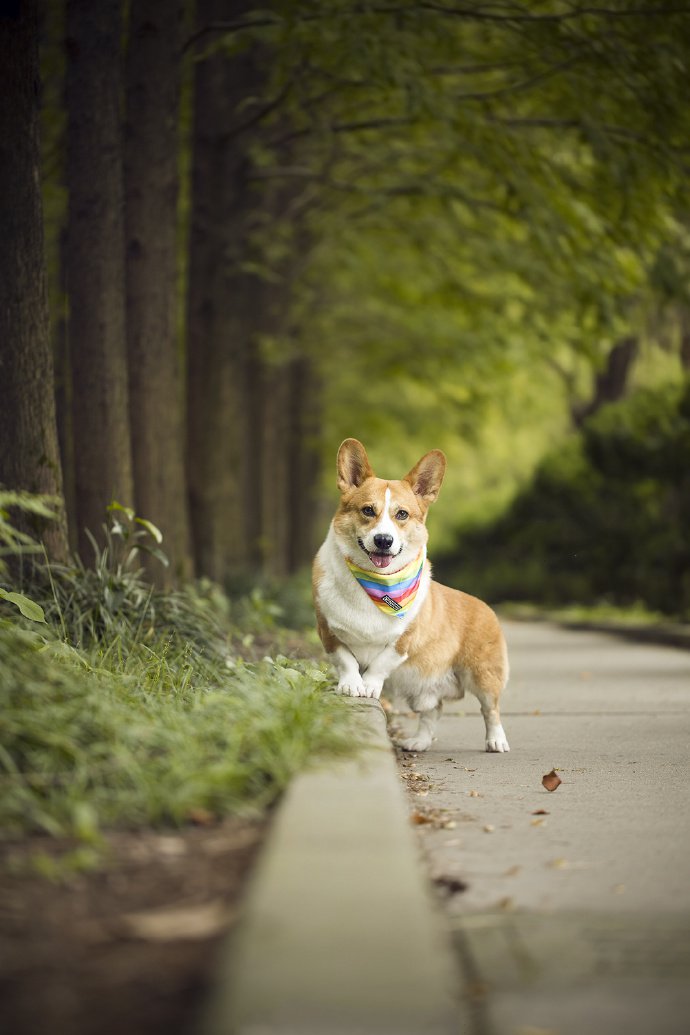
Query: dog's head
pixel 381 524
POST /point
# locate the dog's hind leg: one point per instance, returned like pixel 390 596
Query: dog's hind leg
pixel 425 731
pixel 496 739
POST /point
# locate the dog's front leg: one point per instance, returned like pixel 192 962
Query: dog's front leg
pixel 349 677
pixel 379 670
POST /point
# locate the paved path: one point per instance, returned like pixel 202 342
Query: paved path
pixel 578 920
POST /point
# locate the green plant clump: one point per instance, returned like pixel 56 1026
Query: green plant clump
pixel 150 733
pixel 129 706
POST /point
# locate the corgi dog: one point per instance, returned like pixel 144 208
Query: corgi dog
pixel 381 617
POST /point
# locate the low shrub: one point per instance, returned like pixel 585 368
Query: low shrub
pixel 129 706
pixel 605 518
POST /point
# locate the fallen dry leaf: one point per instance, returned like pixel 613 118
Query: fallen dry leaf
pixel 420 817
pixel 451 885
pixel 540 812
pixel 551 780
pixel 538 822
pixel 439 819
pixel 474 794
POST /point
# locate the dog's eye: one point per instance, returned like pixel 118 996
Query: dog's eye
pixel 368 511
pixel 402 515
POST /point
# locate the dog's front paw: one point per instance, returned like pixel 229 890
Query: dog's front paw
pixel 372 687
pixel 496 740
pixel 352 687
pixel 414 743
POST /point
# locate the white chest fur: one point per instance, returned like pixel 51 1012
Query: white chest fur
pixel 351 615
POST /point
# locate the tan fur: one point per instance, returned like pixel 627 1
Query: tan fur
pixel 454 641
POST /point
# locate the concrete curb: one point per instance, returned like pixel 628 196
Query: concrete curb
pixel 340 935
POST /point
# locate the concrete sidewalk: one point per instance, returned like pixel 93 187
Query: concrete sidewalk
pixel 576 912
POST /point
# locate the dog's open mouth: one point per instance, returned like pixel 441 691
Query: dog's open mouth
pixel 381 558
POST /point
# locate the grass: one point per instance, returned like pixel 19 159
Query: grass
pixel 131 707
pixel 637 615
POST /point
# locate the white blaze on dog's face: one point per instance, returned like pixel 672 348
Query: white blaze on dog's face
pixel 381 524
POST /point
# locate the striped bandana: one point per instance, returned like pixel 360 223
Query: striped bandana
pixel 393 594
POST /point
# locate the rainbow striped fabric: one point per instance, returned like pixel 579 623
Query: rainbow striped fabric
pixel 393 594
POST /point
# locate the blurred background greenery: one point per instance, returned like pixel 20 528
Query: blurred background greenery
pixel 450 225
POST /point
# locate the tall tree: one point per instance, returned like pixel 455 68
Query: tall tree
pixel 222 382
pixel 95 263
pixel 151 195
pixel 29 456
pixel 249 417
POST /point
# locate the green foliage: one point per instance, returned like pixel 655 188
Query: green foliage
pixel 130 734
pixel 464 203
pixel 112 595
pixel 132 706
pixel 604 519
pixel 17 543
pixel 29 608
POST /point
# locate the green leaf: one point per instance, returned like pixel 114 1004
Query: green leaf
pixel 150 528
pixel 29 608
pixel 118 506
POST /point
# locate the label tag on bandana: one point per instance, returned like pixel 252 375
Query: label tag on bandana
pixel 393 594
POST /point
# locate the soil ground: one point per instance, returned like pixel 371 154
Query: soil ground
pixel 127 948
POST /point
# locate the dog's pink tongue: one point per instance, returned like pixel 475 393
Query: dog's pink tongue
pixel 381 560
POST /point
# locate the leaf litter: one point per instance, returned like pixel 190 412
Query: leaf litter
pixel 551 780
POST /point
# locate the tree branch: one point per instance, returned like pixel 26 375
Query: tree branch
pixel 567 16
pixel 471 13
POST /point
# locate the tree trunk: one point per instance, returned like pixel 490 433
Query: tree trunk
pixel 275 484
pixel 221 304
pixel 29 455
pixel 95 264
pixel 151 190
pixel 610 384
pixel 685 339
pixel 247 432
pixel 304 457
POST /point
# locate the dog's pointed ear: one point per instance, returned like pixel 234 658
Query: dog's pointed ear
pixel 353 465
pixel 427 475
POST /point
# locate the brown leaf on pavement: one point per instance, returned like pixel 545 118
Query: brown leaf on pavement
pixel 451 885
pixel 421 817
pixel 551 780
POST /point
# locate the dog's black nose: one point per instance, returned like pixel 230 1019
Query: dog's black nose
pixel 383 542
